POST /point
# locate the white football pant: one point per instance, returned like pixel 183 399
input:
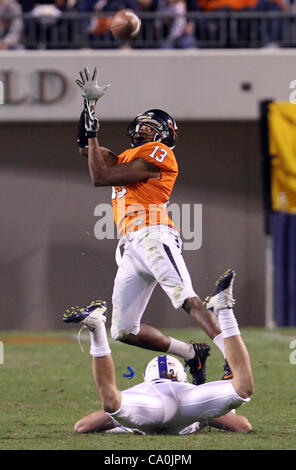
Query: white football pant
pixel 163 406
pixel 151 255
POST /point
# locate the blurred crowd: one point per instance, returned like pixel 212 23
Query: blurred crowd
pixel 178 31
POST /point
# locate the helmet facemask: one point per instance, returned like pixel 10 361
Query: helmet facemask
pixel 143 133
pixel 134 131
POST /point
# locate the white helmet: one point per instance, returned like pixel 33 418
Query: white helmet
pixel 161 367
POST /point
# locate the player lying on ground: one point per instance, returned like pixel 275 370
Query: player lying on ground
pixel 99 421
pixel 164 403
pixel 142 178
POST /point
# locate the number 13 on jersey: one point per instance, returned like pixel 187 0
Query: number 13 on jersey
pixel 159 156
pixel 118 192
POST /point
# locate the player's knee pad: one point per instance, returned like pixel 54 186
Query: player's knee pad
pixel 121 334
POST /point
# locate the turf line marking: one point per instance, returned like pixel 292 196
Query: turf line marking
pixel 280 337
pixel 36 339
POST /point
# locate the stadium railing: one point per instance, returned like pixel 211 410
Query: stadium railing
pixel 210 30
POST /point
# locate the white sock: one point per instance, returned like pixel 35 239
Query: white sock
pixel 219 342
pixel 182 349
pixel 228 323
pixel 99 342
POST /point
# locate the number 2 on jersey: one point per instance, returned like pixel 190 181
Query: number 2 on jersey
pixel 160 158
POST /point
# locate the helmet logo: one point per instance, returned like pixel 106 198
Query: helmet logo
pixel 171 126
pixel 165 367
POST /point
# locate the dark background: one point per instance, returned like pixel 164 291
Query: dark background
pixel 50 258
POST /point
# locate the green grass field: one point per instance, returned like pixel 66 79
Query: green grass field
pixel 47 386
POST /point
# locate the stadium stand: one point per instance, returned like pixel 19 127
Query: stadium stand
pixel 76 24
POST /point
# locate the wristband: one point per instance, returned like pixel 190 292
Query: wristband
pixel 91 134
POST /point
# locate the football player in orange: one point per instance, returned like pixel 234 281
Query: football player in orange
pixel 143 178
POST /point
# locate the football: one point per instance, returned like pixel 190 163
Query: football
pixel 125 25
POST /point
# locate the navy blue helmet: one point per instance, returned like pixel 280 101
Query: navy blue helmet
pixel 164 125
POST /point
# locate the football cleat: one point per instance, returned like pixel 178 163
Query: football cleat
pixel 90 316
pixel 222 296
pixel 228 375
pixel 197 365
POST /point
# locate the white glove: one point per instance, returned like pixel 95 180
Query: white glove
pixel 90 88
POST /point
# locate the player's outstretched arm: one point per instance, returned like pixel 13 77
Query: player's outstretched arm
pixel 104 377
pixel 94 317
pixel 232 422
pixel 91 92
pixel 103 174
pixel 94 422
pixel 121 174
pixel 109 157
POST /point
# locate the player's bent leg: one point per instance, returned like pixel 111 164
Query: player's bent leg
pixel 131 294
pixel 221 301
pixel 141 335
pixel 194 354
pixel 209 400
pixel 158 259
pixel 146 262
pixel 133 287
pixel 161 253
pixel 160 250
pixel 239 360
pixel 205 320
pixel 148 337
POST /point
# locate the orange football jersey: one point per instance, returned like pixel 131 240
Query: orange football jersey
pixel 143 204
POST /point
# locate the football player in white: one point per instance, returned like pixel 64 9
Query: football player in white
pixel 169 367
pixel 165 402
